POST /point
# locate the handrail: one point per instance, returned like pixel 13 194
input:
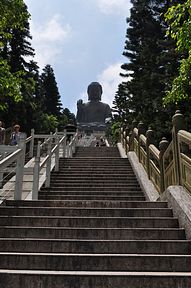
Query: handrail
pixel 184 136
pixel 168 165
pixel 17 156
pixel 143 139
pixel 46 163
pixel 72 146
pixel 10 158
pixel 154 151
pixel 48 160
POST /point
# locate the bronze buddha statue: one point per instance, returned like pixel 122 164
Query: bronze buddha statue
pixel 93 111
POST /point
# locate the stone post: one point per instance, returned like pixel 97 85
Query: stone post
pixel 36 174
pixel 20 168
pixel 1 172
pixel 74 145
pixel 121 135
pixel 57 155
pixel 131 136
pixel 163 145
pixel 31 144
pixel 64 145
pixel 141 130
pixel 48 165
pixel 178 123
pixel 125 140
pixel 149 140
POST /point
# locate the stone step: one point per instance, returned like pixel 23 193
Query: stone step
pixel 101 169
pixel 97 154
pixel 76 175
pixel 98 159
pixel 92 192
pixel 102 182
pixel 93 233
pixel 174 247
pixel 99 166
pixel 92 177
pixel 47 196
pixel 84 203
pixel 96 162
pixel 95 181
pixel 76 187
pixel 86 212
pixel 83 171
pixel 84 193
pixel 95 279
pixel 109 222
pixel 96 262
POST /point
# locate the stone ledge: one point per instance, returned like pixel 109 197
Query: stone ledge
pixel 147 186
pixel 180 201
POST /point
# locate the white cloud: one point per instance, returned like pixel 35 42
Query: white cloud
pixel 114 6
pixel 48 39
pixel 110 79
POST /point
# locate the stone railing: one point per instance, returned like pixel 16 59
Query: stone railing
pixel 170 163
pixel 44 151
pixel 13 159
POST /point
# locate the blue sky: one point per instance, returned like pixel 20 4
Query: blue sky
pixel 83 41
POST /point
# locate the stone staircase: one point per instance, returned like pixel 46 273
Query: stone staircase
pixel 92 228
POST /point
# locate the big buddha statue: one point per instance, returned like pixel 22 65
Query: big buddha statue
pixel 94 111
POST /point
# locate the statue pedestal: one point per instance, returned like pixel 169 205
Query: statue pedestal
pixel 92 128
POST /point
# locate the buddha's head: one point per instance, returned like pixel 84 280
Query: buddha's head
pixel 94 91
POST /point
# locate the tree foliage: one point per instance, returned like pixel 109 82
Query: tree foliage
pixel 27 97
pixel 151 64
pixel 51 97
pixel 12 16
pixel 179 19
pixel 143 71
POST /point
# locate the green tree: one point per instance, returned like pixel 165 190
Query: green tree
pixel 50 94
pixel 17 52
pixel 121 103
pixel 151 65
pixel 142 50
pixel 70 116
pixel 178 18
pixel 12 16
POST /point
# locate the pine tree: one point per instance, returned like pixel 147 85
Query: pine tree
pixel 16 52
pixel 148 69
pixel 13 16
pixel 51 97
pixel 71 119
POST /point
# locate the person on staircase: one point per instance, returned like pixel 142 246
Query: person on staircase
pixel 15 135
pixel 2 134
pixel 102 142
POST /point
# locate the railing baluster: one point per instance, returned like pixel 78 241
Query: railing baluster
pixel 36 174
pixel 57 154
pixel 48 165
pixel 20 168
